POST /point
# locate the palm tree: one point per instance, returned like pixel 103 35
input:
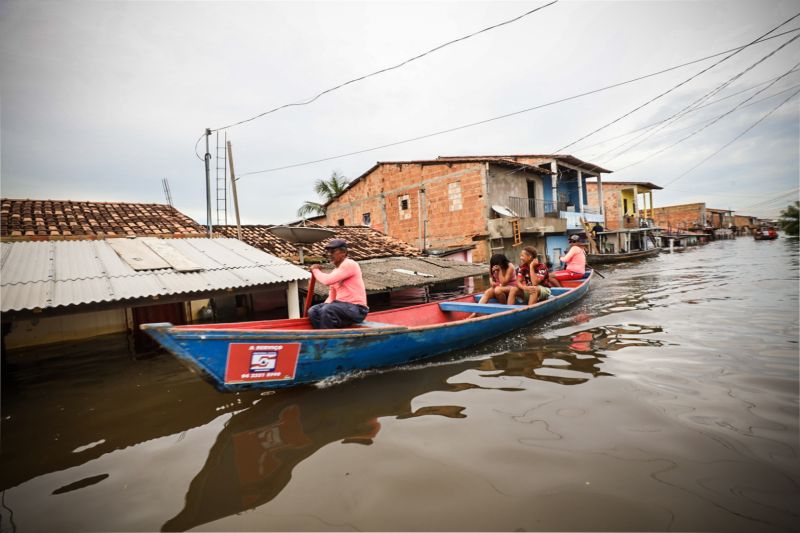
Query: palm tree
pixel 328 190
pixel 790 219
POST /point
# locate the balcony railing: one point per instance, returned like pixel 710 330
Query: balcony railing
pixel 536 208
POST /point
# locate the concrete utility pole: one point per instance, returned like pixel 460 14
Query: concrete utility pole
pixel 208 184
pixel 233 190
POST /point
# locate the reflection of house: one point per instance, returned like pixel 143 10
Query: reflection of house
pixel 460 201
pixel 74 281
pixel 626 204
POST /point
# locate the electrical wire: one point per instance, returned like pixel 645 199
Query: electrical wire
pixel 507 115
pixel 387 69
pixel 674 87
pixel 707 104
pixel 708 124
pixel 756 123
pixel 691 107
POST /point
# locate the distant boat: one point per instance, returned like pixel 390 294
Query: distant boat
pixel 765 234
pixel 283 353
pixel 638 243
pixel 600 259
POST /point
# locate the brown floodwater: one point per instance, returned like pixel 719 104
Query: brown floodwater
pixel 666 400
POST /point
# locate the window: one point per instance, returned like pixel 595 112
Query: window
pixel 403 203
pixel 454 195
pixel 340 222
pixel 366 219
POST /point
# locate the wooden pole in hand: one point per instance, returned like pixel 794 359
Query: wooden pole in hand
pixel 310 295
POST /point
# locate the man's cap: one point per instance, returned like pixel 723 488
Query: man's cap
pixel 336 243
pixel 574 238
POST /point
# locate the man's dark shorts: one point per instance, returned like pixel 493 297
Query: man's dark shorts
pixel 336 315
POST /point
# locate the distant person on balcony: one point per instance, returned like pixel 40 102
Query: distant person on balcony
pixel 347 297
pixel 597 228
pixel 533 278
pixel 575 261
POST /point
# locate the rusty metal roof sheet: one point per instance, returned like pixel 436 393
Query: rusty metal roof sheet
pixel 49 274
pixel 392 273
pixel 567 158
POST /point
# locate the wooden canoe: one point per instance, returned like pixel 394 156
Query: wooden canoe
pixel 283 353
pixel 600 259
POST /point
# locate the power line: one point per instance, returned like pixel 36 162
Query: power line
pixel 675 87
pixel 686 110
pixel 507 115
pixel 595 156
pixel 387 69
pixel 756 123
pixel 708 124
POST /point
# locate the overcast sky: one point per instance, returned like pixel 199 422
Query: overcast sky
pixel 102 100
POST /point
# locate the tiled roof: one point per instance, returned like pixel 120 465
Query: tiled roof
pixel 566 158
pixel 363 242
pixel 59 219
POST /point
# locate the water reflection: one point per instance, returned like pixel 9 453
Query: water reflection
pixel 572 359
pixel 253 457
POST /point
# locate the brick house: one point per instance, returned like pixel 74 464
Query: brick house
pixel 461 201
pixel 625 203
pixel 692 217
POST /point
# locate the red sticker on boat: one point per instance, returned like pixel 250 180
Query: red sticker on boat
pixel 261 362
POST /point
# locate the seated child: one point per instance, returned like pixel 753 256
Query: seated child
pixel 533 278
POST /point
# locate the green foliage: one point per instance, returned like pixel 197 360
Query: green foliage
pixel 328 190
pixel 789 219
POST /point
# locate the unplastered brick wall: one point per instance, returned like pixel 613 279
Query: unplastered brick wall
pixel 680 216
pixel 425 204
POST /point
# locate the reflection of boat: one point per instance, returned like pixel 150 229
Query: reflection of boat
pixel 282 353
pixel 255 453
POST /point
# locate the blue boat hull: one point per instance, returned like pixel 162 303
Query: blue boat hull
pixel 313 355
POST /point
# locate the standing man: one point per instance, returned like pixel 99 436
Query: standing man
pixel 347 297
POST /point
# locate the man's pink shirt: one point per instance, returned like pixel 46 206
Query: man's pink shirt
pixel 345 283
pixel 575 260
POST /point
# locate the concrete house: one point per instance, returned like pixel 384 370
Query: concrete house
pixel 451 202
pixel 626 204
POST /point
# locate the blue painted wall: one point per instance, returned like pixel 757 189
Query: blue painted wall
pixel 556 246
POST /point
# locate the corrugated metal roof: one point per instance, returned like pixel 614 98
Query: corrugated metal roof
pixel 50 274
pixel 387 274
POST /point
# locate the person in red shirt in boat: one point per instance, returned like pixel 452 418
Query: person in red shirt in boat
pixel 533 278
pixel 575 261
pixel 347 297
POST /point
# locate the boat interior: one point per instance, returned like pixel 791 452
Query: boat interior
pixel 427 314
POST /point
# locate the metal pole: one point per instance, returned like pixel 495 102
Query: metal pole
pixel 233 190
pixel 208 184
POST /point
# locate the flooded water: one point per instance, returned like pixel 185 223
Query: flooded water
pixel 666 400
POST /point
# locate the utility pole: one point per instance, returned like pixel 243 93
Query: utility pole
pixel 233 190
pixel 208 184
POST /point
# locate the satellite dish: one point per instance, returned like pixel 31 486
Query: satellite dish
pixel 302 235
pixel 503 211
